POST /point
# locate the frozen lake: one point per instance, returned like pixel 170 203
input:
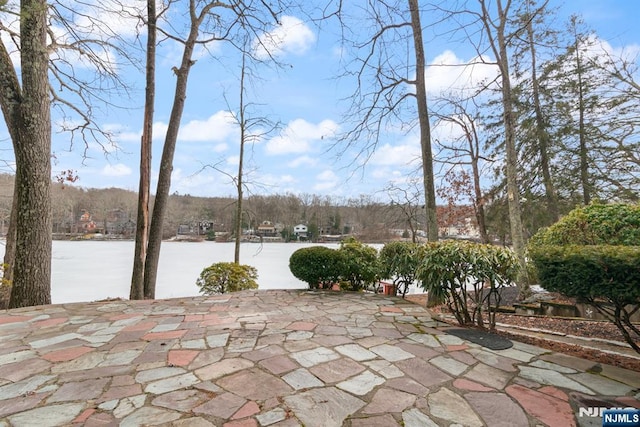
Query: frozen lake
pixel 89 271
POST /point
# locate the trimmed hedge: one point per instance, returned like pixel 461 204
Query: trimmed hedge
pixel 316 265
pixel 590 272
pixel 595 224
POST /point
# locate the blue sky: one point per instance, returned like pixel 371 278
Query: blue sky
pixel 304 98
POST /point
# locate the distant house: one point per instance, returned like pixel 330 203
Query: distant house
pixel 266 229
pixel 86 224
pixel 301 231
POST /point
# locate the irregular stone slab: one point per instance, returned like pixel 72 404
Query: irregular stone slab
pixel 309 358
pixel 84 390
pixel 25 386
pixel 46 342
pixel 158 373
pixel 546 408
pixel 361 384
pixel 171 384
pixel 452 407
pixel 496 409
pixel 387 400
pixel 223 406
pixel 271 417
pixel 219 340
pixel 222 368
pixel 391 353
pixel 128 405
pixel 17 356
pixel 415 418
pixel 337 370
pixel 255 384
pixel 327 407
pixel 192 422
pixel 82 363
pixel 181 400
pixel 492 359
pixel 20 403
pixel 423 372
pixel 426 339
pixel 384 368
pixel 356 352
pixel 601 385
pixel 374 421
pixel 449 365
pixel 278 364
pixel 547 377
pixel 489 375
pixel 301 378
pixel 513 353
pixel 149 416
pixel 52 415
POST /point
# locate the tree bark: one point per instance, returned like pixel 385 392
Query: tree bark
pixel 239 182
pixel 425 131
pixel 166 162
pixel 142 220
pixel 32 270
pixel 582 134
pixel 498 42
pixel 10 99
pixel 542 135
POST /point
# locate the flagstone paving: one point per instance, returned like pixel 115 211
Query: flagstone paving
pixel 282 359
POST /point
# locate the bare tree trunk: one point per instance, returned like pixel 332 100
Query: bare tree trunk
pixel 10 242
pixel 498 42
pixel 425 131
pixel 239 182
pixel 542 135
pixel 142 220
pixel 10 98
pixel 166 162
pixel 32 271
pixel 583 151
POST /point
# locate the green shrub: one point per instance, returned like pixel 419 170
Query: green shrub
pixel 316 265
pixel 595 224
pixel 223 277
pixel 359 265
pixel 605 276
pixel 592 255
pixel 467 277
pixel 399 262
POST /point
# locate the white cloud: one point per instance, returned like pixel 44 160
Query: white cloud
pixel 298 136
pixel 217 127
pixel 118 169
pixel 396 155
pixel 326 180
pixel 447 72
pixel 291 36
pixel 159 130
pixel 302 161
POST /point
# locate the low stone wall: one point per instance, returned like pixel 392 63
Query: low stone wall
pixel 555 309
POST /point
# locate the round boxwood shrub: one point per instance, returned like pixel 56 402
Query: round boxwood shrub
pixel 223 277
pixel 318 266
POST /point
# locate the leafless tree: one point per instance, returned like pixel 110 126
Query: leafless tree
pixel 464 150
pixel 207 22
pixel 144 188
pixel 386 81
